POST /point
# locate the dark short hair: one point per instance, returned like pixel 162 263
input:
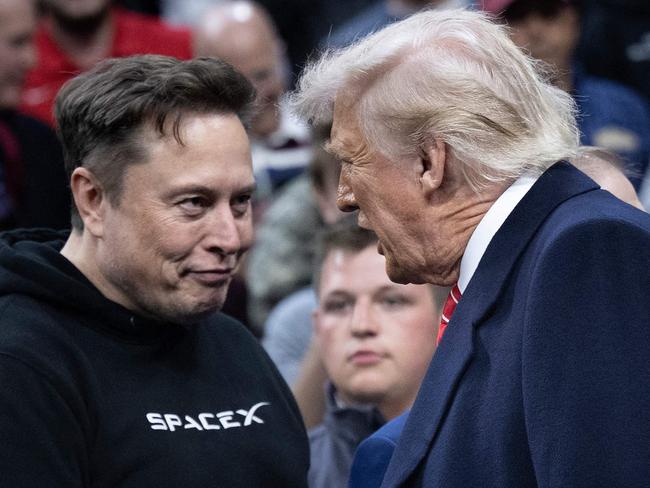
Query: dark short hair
pixel 100 113
pixel 345 235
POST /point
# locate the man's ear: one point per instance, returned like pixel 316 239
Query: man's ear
pixel 90 199
pixel 433 156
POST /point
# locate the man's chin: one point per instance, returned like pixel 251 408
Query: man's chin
pixel 397 274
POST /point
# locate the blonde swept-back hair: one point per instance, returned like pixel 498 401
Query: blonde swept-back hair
pixel 453 75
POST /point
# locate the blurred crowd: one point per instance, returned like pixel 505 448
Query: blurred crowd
pixel 313 283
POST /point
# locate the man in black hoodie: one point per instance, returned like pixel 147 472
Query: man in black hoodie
pixel 116 368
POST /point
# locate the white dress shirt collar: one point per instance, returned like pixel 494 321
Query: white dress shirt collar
pixel 489 225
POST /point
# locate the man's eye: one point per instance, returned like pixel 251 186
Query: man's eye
pixel 193 204
pixel 394 300
pixel 336 306
pixel 241 203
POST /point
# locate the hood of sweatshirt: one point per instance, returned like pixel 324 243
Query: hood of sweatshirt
pixel 31 264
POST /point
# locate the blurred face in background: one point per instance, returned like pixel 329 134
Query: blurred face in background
pixel 243 35
pixel 550 38
pixel 377 337
pixel 17 54
pixel 260 62
pixel 79 17
pixel 77 8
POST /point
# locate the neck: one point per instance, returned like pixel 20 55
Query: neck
pixel 461 208
pixel 76 251
pixel 390 410
pixel 85 41
pixel 81 249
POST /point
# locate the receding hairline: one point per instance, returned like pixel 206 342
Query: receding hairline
pixel 221 22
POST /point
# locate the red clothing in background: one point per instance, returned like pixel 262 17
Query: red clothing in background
pixel 134 34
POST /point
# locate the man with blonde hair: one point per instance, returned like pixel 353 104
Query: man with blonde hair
pixel 454 150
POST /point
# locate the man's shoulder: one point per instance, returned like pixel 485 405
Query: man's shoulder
pixel 32 334
pixel 601 213
pixel 22 315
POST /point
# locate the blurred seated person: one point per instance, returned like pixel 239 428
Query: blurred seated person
pixel 616 41
pixel 611 115
pixel 282 258
pixel 288 334
pixel 243 34
pixel 379 14
pixel 607 169
pixel 74 35
pixel 33 188
pixel 375 338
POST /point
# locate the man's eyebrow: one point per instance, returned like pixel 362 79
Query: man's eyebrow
pixel 206 190
pixel 248 188
pixel 338 293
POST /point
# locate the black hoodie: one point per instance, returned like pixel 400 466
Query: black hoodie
pixel 93 395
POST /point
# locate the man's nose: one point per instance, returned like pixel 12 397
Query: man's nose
pixel 363 323
pixel 345 200
pixel 225 232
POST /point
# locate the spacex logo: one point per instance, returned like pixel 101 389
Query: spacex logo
pixel 226 419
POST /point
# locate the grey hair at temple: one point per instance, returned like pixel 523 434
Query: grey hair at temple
pixel 453 75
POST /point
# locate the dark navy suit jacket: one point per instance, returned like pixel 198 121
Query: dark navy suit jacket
pixel 543 376
pixel 373 454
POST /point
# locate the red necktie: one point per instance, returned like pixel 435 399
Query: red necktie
pixel 448 310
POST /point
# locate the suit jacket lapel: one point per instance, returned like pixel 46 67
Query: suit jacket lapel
pixel 559 183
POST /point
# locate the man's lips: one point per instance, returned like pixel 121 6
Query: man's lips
pixel 211 277
pixel 365 357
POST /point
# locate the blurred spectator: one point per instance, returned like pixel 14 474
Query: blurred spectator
pixel 288 332
pixel 75 34
pixel 300 24
pixel 33 191
pixel 147 7
pixel 608 171
pixel 281 260
pixel 379 14
pixel 610 115
pixel 184 12
pixel 376 339
pixel 303 27
pixel 243 34
pixel 616 41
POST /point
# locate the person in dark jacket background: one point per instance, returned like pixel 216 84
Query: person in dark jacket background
pixel 375 339
pixel 33 190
